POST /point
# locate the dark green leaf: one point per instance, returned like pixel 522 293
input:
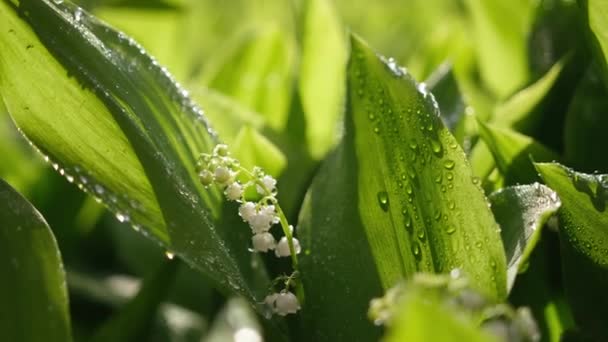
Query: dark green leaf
pixel 400 191
pixel 586 125
pixel 522 211
pixel 584 243
pixel 118 125
pixel 33 295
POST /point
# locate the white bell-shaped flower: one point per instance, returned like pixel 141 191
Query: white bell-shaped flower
pixel 234 191
pixel 260 222
pixel 282 249
pixel 222 175
pixel 247 211
pixel 263 242
pixel 286 303
pixel 269 183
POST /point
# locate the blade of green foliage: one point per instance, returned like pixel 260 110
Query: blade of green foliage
pixel 133 322
pixel 253 149
pixel 118 125
pixel 522 211
pixel 225 114
pixel 257 71
pixel 421 319
pixel 33 292
pixel 584 243
pixel 512 152
pixel 501 30
pixel 596 13
pixel 519 110
pixel 586 125
pixel 400 192
pixel 322 72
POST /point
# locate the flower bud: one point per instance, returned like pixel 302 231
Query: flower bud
pixel 234 191
pixel 221 150
pixel 247 211
pixel 222 175
pixel 205 177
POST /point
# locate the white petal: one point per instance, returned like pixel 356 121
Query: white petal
pixel 287 303
pixel 263 242
pixel 247 211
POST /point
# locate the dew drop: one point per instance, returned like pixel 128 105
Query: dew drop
pixel 436 147
pixel 416 250
pixel 376 130
pixel 383 200
pixel 450 230
pixel 421 234
pixel 449 164
pixel 169 255
pixel 449 176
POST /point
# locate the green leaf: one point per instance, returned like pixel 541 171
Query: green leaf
pixel 253 149
pixel 421 319
pixel 519 110
pixel 34 296
pixel 501 30
pixel 322 72
pixel 399 190
pixel 584 243
pixel 133 322
pixel 586 125
pixel 257 71
pixel 116 123
pixel 596 13
pixel 522 211
pixel 512 152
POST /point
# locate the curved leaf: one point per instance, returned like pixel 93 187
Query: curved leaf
pixel 322 71
pixel 584 243
pixel 33 292
pixel 522 211
pixel 117 124
pixel 396 197
pixel 513 152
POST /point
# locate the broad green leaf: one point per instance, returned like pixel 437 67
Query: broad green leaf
pixel 133 322
pixel 596 13
pixel 422 319
pixel 236 322
pixel 257 71
pixel 586 125
pixel 584 243
pixel 500 29
pixel 522 211
pixel 513 153
pixel 399 190
pixel 33 292
pixel 225 114
pixel 253 149
pixel 116 123
pixel 519 110
pixel 322 72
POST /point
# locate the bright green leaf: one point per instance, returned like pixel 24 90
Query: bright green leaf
pixel 522 211
pixel 118 125
pixel 257 71
pixel 322 72
pixel 513 151
pixel 400 191
pixel 34 296
pixel 253 149
pixel 584 243
pixel 501 29
pixel 596 13
pixel 519 110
